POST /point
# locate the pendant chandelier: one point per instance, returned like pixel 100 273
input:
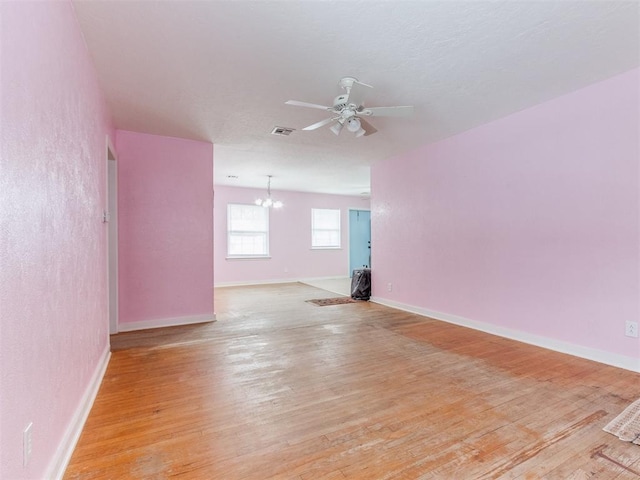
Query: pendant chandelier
pixel 269 202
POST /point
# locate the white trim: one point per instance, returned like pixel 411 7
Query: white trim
pixel 608 358
pixel 112 237
pixel 60 460
pixel 165 322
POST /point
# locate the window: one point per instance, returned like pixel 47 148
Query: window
pixel 325 228
pixel 247 231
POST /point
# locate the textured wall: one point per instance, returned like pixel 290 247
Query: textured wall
pixel 53 296
pixel 530 222
pixel 289 239
pixel 165 227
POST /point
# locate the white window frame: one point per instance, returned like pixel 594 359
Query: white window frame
pixel 315 245
pixel 260 233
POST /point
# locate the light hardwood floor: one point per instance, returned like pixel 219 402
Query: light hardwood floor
pixel 279 388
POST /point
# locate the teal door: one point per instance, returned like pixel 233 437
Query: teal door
pixel 359 239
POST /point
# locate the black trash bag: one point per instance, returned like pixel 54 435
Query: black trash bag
pixel 361 284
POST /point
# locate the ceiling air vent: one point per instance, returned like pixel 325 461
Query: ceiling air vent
pixel 282 131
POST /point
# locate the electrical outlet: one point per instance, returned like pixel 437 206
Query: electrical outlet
pixel 27 444
pixel 631 329
pixel 389 287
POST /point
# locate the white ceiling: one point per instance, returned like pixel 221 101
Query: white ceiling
pixel 220 71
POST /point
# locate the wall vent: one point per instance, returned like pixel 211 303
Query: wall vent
pixel 282 131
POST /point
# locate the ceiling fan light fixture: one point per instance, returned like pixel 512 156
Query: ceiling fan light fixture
pixel 349 110
pixel 353 125
pixel 337 128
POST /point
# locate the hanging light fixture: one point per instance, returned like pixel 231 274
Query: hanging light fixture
pixel 337 127
pixel 268 202
pixel 354 125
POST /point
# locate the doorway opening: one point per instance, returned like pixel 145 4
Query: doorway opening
pixel 359 240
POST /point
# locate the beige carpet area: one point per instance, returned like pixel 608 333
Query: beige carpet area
pixel 626 426
pixel 341 286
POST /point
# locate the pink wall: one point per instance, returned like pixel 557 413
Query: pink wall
pixel 165 237
pixel 53 295
pixel 530 222
pixel 290 238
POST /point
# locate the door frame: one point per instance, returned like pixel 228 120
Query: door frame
pixel 111 219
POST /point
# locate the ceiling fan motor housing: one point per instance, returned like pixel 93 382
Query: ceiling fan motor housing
pixel 340 102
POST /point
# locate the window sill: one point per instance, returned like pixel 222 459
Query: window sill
pixel 326 248
pixel 248 257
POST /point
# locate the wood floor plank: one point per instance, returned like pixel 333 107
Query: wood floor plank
pixel 279 388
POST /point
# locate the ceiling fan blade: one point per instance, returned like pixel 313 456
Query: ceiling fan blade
pixel 357 93
pixel 305 104
pixel 403 111
pixel 367 127
pixel 319 124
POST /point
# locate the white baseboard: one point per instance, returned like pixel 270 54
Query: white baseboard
pixel 272 282
pixel 615 360
pixel 165 322
pixel 59 463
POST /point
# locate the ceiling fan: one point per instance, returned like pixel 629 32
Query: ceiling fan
pixel 348 110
